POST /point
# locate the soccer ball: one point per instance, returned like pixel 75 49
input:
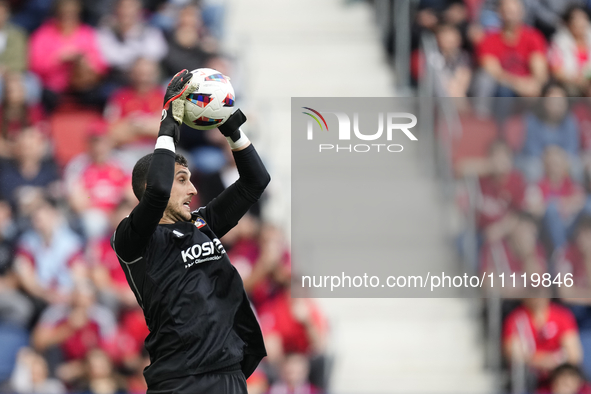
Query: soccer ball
pixel 212 103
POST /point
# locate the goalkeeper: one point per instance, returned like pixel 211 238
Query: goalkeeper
pixel 204 337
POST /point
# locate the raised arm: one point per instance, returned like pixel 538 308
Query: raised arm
pixel 133 233
pixel 224 211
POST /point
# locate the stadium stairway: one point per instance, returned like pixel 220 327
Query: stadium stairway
pixel 316 48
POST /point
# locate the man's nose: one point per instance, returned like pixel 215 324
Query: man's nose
pixel 193 190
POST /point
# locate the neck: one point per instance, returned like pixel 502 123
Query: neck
pixel 68 26
pixel 510 29
pixel 166 220
pixel 47 236
pixel 144 88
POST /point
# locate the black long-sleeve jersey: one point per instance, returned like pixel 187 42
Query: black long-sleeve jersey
pixel 193 299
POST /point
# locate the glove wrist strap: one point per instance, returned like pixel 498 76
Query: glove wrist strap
pixel 232 125
pixel 237 140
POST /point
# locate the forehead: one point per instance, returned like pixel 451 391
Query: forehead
pixel 179 169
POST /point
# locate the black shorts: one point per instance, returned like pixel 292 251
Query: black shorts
pixel 230 382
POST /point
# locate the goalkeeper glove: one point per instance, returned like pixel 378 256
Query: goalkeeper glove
pixel 231 130
pixel 174 104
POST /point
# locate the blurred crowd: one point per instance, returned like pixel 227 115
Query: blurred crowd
pixel 81 89
pixel 505 48
pixel 519 72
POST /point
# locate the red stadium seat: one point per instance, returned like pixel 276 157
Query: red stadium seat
pixel 68 132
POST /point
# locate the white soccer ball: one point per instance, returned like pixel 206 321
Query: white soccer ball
pixel 212 103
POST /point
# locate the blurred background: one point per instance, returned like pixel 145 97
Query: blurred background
pixel 500 180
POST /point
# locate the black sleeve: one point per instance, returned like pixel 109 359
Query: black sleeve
pixel 134 232
pixel 224 211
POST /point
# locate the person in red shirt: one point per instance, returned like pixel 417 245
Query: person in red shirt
pixel 261 256
pixel 95 182
pixel 518 253
pixel 292 325
pixel 543 335
pixel 574 259
pixel 75 328
pixel 134 112
pixel 514 58
pixel 556 197
pixel 502 192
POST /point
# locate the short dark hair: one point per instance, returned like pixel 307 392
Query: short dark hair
pixel 565 369
pixel 139 175
pixel 567 16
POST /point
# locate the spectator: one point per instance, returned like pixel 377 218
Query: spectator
pixel 426 20
pixel 29 166
pixel 13 55
pixel 49 256
pixel 570 53
pixel 292 325
pixel 15 308
pixel 16 112
pixel 513 60
pixel 75 328
pixel 127 38
pixel 575 260
pixel 95 182
pixel 520 253
pixel 101 377
pixel 31 375
pixel 62 48
pixel 456 72
pixel 295 369
pixel 544 14
pixel 261 258
pixel 13 51
pixel 502 192
pixel 458 14
pixel 188 45
pixel 543 335
pixel 136 383
pixel 552 123
pixel 106 272
pixel 556 197
pixel 133 113
pixel 452 63
pixel 567 379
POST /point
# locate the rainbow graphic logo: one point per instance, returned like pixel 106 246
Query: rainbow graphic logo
pixel 199 99
pixel 216 77
pixel 316 119
pixel 205 121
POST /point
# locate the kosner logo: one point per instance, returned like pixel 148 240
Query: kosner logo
pixel 200 253
pixel 393 124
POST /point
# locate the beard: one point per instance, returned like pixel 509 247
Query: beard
pixel 177 213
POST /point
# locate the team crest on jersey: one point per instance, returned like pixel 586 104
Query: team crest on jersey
pixel 200 222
